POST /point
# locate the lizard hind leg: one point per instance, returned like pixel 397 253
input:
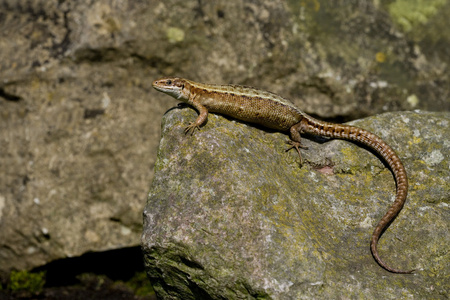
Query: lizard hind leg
pixel 295 142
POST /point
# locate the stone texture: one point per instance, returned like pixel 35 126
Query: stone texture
pixel 80 123
pixel 77 136
pixel 230 215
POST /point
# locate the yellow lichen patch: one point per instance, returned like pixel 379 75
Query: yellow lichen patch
pixel 413 100
pixel 175 35
pixel 410 14
pixel 380 57
pixel 415 140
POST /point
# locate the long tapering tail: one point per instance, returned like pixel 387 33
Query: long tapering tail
pixel 347 132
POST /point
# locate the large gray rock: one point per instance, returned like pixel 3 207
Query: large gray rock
pixel 80 122
pixel 230 215
pixel 77 145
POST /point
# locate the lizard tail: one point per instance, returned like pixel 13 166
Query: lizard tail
pixel 401 179
pixel 347 132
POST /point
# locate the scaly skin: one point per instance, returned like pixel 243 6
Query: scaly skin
pixel 272 111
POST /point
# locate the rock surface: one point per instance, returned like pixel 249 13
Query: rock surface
pixel 80 123
pixel 230 215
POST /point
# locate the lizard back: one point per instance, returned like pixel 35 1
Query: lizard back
pixel 248 104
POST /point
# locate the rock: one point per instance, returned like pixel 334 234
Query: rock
pixel 80 122
pixel 230 215
pixel 77 145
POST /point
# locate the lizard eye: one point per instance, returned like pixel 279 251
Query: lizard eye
pixel 169 82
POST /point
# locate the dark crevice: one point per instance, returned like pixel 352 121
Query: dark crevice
pixel 59 49
pixel 191 264
pixel 120 264
pixel 8 96
pixel 92 113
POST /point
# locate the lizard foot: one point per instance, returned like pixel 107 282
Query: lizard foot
pixel 191 128
pixel 296 146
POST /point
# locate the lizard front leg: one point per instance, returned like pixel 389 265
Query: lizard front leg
pixel 202 115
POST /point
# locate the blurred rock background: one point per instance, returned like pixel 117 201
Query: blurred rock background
pixel 80 123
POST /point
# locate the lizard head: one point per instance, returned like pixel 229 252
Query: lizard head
pixel 175 87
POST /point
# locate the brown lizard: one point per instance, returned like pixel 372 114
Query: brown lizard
pixel 272 111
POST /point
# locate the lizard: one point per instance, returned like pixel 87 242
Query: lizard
pixel 275 112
